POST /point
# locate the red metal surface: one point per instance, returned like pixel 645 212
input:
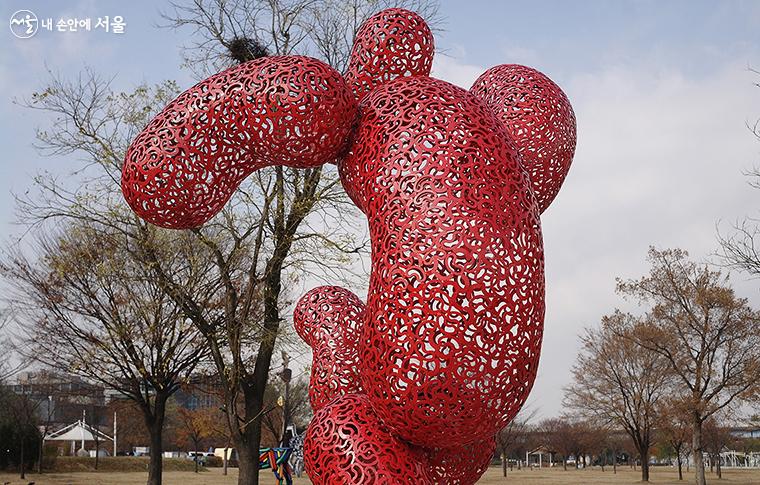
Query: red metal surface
pixel 456 298
pixel 290 110
pixel 346 444
pixel 461 465
pixel 539 119
pixel 452 183
pixel 392 43
pixel 329 319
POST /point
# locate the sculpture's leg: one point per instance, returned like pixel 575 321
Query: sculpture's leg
pixel 329 319
pixel 346 444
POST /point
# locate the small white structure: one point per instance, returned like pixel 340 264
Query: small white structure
pixel 79 431
pixel 540 452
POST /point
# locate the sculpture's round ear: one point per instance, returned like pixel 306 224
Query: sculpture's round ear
pixel 391 43
pixel 540 120
pixel 288 110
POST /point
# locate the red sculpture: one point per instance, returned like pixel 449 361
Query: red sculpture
pixel 539 119
pixel 392 43
pixel 329 319
pixel 412 387
pixel 288 110
pixel 346 444
pixel 456 297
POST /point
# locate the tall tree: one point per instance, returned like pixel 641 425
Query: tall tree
pixel 619 383
pixel 87 309
pixel 706 334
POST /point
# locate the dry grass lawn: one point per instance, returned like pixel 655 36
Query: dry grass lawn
pixel 660 476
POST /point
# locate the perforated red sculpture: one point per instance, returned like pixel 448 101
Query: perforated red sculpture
pixel 411 387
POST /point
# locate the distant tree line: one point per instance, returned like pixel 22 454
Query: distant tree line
pixel 666 381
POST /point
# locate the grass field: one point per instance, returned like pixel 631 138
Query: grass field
pixel 660 475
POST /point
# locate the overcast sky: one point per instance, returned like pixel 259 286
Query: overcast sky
pixel 662 92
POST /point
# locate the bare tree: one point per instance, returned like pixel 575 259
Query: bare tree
pixel 22 411
pixel 87 309
pixel 560 435
pixel 195 426
pixel 741 248
pixel 618 382
pixel 298 408
pixel 512 439
pixel 716 438
pixel 11 362
pixel 594 442
pixel 227 32
pixel 282 224
pixel 704 331
pixel 674 429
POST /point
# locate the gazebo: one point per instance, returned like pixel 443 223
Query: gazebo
pixel 540 452
pixel 78 431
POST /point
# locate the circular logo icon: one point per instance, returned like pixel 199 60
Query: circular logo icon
pixel 24 24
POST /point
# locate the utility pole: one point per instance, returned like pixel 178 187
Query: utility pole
pixel 285 376
pixel 114 433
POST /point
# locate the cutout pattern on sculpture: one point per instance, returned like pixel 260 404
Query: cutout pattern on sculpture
pixel 539 119
pixel 289 110
pixel 390 44
pixel 329 319
pixel 462 465
pixel 456 299
pixel 346 444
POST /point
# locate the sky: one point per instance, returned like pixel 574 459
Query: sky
pixel 662 92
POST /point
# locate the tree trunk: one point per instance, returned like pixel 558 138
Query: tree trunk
pixel 253 389
pixel 717 466
pixel 644 454
pixel 155 422
pixel 564 463
pixel 42 449
pixel 23 464
pixel 504 465
pixel 644 470
pixel 614 461
pixel 696 445
pixel 248 463
pixel 680 469
pixel 155 466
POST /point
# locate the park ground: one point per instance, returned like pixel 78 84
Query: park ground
pixel 659 475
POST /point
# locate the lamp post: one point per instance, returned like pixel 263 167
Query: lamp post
pixel 286 375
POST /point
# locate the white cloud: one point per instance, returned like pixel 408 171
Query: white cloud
pixel 450 69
